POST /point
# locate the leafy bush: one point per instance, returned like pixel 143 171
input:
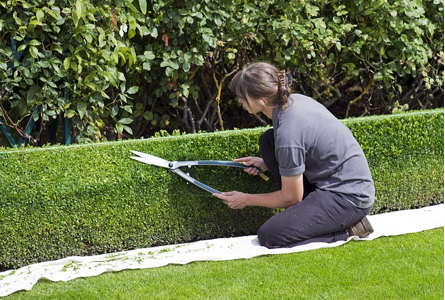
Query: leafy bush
pixel 135 67
pixel 89 199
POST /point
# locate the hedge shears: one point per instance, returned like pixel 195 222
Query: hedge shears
pixel 175 165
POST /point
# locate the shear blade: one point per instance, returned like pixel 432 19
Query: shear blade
pixel 139 159
pixel 150 159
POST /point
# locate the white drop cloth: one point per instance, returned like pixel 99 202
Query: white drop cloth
pixel 388 224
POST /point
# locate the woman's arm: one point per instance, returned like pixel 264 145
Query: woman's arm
pixel 291 193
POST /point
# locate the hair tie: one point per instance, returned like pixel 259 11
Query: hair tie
pixel 285 79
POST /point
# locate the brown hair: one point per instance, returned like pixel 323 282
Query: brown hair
pixel 262 80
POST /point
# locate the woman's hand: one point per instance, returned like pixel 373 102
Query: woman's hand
pixel 258 162
pixel 234 199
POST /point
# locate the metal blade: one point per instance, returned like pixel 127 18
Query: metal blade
pixel 151 160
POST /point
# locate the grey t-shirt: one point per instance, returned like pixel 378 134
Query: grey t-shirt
pixel 310 140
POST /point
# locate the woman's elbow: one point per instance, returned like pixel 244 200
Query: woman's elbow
pixel 291 202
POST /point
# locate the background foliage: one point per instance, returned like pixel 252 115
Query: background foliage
pixel 103 201
pixel 133 67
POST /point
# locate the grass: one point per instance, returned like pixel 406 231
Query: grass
pixel 402 267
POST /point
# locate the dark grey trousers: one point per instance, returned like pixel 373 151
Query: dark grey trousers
pixel 322 216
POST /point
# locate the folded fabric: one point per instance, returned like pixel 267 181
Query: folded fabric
pixel 387 224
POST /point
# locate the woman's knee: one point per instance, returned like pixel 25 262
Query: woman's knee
pixel 269 238
pixel 263 238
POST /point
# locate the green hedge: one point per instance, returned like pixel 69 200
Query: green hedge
pixel 89 199
pixel 405 154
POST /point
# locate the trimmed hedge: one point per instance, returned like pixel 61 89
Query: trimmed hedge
pixel 89 199
pixel 405 154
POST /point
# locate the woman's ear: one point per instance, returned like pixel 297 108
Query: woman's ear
pixel 264 101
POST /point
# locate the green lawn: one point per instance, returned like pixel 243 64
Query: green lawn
pixel 402 267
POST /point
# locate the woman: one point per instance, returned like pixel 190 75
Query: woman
pixel 323 179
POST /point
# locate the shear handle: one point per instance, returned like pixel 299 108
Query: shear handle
pixel 178 164
pixel 195 182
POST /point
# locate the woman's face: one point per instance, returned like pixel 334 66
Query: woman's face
pixel 252 106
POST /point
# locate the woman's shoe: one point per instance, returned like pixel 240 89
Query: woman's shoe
pixel 361 229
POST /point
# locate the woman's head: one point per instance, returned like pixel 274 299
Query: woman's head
pixel 262 81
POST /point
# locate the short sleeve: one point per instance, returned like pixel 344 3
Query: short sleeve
pixel 291 160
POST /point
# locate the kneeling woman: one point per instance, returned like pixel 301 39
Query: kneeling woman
pixel 322 176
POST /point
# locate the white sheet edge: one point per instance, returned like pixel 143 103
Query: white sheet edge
pixel 388 224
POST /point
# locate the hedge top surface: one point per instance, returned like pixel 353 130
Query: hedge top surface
pixel 257 130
